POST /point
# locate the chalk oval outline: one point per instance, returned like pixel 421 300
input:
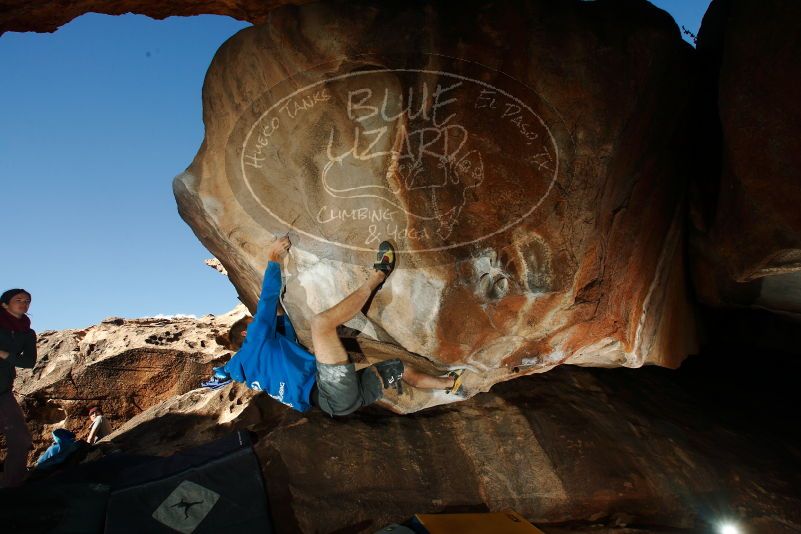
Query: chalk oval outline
pixel 381 71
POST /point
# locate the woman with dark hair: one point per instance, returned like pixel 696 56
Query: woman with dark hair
pixel 17 349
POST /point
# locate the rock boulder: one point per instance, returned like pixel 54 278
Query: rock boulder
pixel 522 159
pixel 746 233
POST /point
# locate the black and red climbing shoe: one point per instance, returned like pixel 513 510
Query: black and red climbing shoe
pixel 386 259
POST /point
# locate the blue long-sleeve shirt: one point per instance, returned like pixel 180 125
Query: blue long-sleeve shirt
pixel 270 359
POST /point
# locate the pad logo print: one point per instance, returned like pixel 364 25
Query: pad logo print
pixel 186 507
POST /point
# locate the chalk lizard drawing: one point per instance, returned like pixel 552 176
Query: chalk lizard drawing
pixel 186 506
pixel 427 172
pixel 445 193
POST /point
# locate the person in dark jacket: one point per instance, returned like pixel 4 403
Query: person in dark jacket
pixel 17 349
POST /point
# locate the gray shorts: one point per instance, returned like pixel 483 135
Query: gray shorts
pixel 342 390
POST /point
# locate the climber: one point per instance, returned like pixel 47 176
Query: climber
pixel 271 360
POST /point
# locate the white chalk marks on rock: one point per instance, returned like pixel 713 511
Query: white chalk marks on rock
pixel 400 154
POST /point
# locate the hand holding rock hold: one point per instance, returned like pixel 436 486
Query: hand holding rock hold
pixel 278 248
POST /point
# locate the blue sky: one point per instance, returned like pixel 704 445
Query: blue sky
pixel 95 121
pixel 97 118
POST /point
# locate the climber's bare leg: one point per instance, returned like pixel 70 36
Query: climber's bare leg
pixel 327 346
pixel 421 380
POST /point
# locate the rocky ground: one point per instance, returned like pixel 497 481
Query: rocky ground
pixel 574 449
pixel 124 366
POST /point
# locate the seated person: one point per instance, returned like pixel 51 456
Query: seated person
pixel 272 360
pixel 63 446
pixel 100 427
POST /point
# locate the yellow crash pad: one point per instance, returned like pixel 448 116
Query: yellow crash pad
pixel 487 523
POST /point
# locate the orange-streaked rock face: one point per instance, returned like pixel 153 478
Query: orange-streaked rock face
pixel 532 196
